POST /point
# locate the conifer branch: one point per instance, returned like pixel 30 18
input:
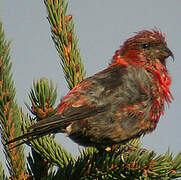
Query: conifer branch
pixel 10 115
pixel 43 96
pixel 2 174
pixel 124 163
pixel 63 35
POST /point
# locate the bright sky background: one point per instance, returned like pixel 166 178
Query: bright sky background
pixel 102 26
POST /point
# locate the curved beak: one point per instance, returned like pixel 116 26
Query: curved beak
pixel 167 52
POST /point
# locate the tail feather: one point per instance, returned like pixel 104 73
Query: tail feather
pixel 51 121
pixel 41 128
pixel 56 123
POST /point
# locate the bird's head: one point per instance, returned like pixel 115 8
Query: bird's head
pixel 145 48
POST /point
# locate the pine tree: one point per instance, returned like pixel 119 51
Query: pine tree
pixel 129 161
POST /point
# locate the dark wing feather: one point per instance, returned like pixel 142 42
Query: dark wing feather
pixel 56 123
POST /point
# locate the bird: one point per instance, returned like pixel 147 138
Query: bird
pixel 122 102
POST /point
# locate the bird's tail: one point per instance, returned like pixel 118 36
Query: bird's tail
pixel 46 126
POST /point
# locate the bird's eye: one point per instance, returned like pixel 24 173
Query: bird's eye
pixel 146 46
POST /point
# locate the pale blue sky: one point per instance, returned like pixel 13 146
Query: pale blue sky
pixel 102 26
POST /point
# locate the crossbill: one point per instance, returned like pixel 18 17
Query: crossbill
pixel 122 102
